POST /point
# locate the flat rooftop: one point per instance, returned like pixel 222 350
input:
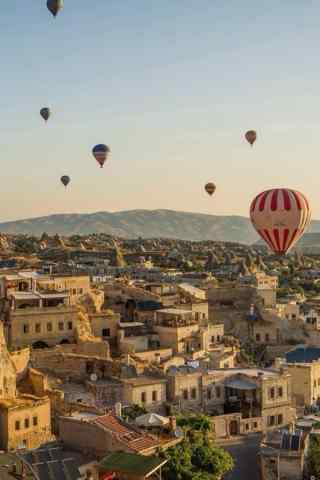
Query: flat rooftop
pixel 174 311
pixel 250 372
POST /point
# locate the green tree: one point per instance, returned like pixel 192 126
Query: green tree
pixel 197 457
pixel 134 411
pixel 199 423
pixel 314 457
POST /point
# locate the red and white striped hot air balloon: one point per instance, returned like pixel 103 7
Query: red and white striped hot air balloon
pixel 280 216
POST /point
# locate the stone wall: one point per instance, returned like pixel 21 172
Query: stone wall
pixel 21 360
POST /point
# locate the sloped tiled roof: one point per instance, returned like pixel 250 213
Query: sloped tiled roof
pixel 135 440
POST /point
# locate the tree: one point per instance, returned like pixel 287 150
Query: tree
pixel 197 457
pixel 314 457
pixel 200 423
pixel 134 411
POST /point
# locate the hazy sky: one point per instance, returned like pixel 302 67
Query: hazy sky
pixel 171 86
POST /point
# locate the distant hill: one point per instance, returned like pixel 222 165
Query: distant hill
pixel 143 223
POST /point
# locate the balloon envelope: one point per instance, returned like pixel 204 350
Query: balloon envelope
pixel 65 180
pixel 210 188
pixel 100 153
pixel 54 6
pixel 45 113
pixel 280 216
pixel 251 136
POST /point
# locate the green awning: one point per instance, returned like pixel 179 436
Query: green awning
pixel 122 462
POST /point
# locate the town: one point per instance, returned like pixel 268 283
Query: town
pixel 135 359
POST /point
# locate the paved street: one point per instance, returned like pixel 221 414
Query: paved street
pixel 244 451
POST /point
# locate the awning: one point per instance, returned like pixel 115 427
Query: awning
pixel 240 384
pixel 152 420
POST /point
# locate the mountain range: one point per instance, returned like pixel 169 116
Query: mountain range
pixel 145 224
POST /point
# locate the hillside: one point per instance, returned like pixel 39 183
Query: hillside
pixel 143 223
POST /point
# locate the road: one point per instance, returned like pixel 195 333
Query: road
pixel 244 452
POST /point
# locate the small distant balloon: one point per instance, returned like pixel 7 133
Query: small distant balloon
pixel 251 136
pixel 210 188
pixel 65 180
pixel 45 113
pixel 100 153
pixel 54 6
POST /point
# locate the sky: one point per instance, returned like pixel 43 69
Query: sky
pixel 171 86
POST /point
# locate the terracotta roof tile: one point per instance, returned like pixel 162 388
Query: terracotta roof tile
pixel 133 439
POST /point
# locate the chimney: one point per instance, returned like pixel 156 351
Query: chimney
pixel 173 423
pixel 118 409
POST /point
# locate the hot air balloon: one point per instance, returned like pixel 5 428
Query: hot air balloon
pixel 45 113
pixel 251 136
pixel 100 153
pixel 65 180
pixel 54 6
pixel 280 216
pixel 210 188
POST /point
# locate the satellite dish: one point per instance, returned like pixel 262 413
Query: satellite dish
pixel 93 377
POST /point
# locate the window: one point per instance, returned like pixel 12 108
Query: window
pixel 49 327
pixel 258 337
pixel 106 332
pixel 218 392
pixel 193 393
pixel 271 420
pixel 267 337
pixel 271 393
pixel 35 421
pixel 255 425
pixel 154 396
pixel 25 328
pixel 74 291
pixel 89 368
pixel 26 423
pixel 185 394
pixel 209 393
pixel 213 339
pixel 226 365
pixel 143 397
pixel 61 325
pixel 280 392
pixel 70 325
pixel 280 419
pixel 247 426
pixel 218 338
pixel 38 327
pixel 17 425
pixel 80 291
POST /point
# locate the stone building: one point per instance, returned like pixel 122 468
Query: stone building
pixel 261 395
pixel 40 310
pixel 184 332
pixel 303 364
pixel 100 435
pixel 283 455
pixel 24 418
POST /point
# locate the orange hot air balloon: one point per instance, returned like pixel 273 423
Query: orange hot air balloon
pixel 280 216
pixel 210 188
pixel 251 136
